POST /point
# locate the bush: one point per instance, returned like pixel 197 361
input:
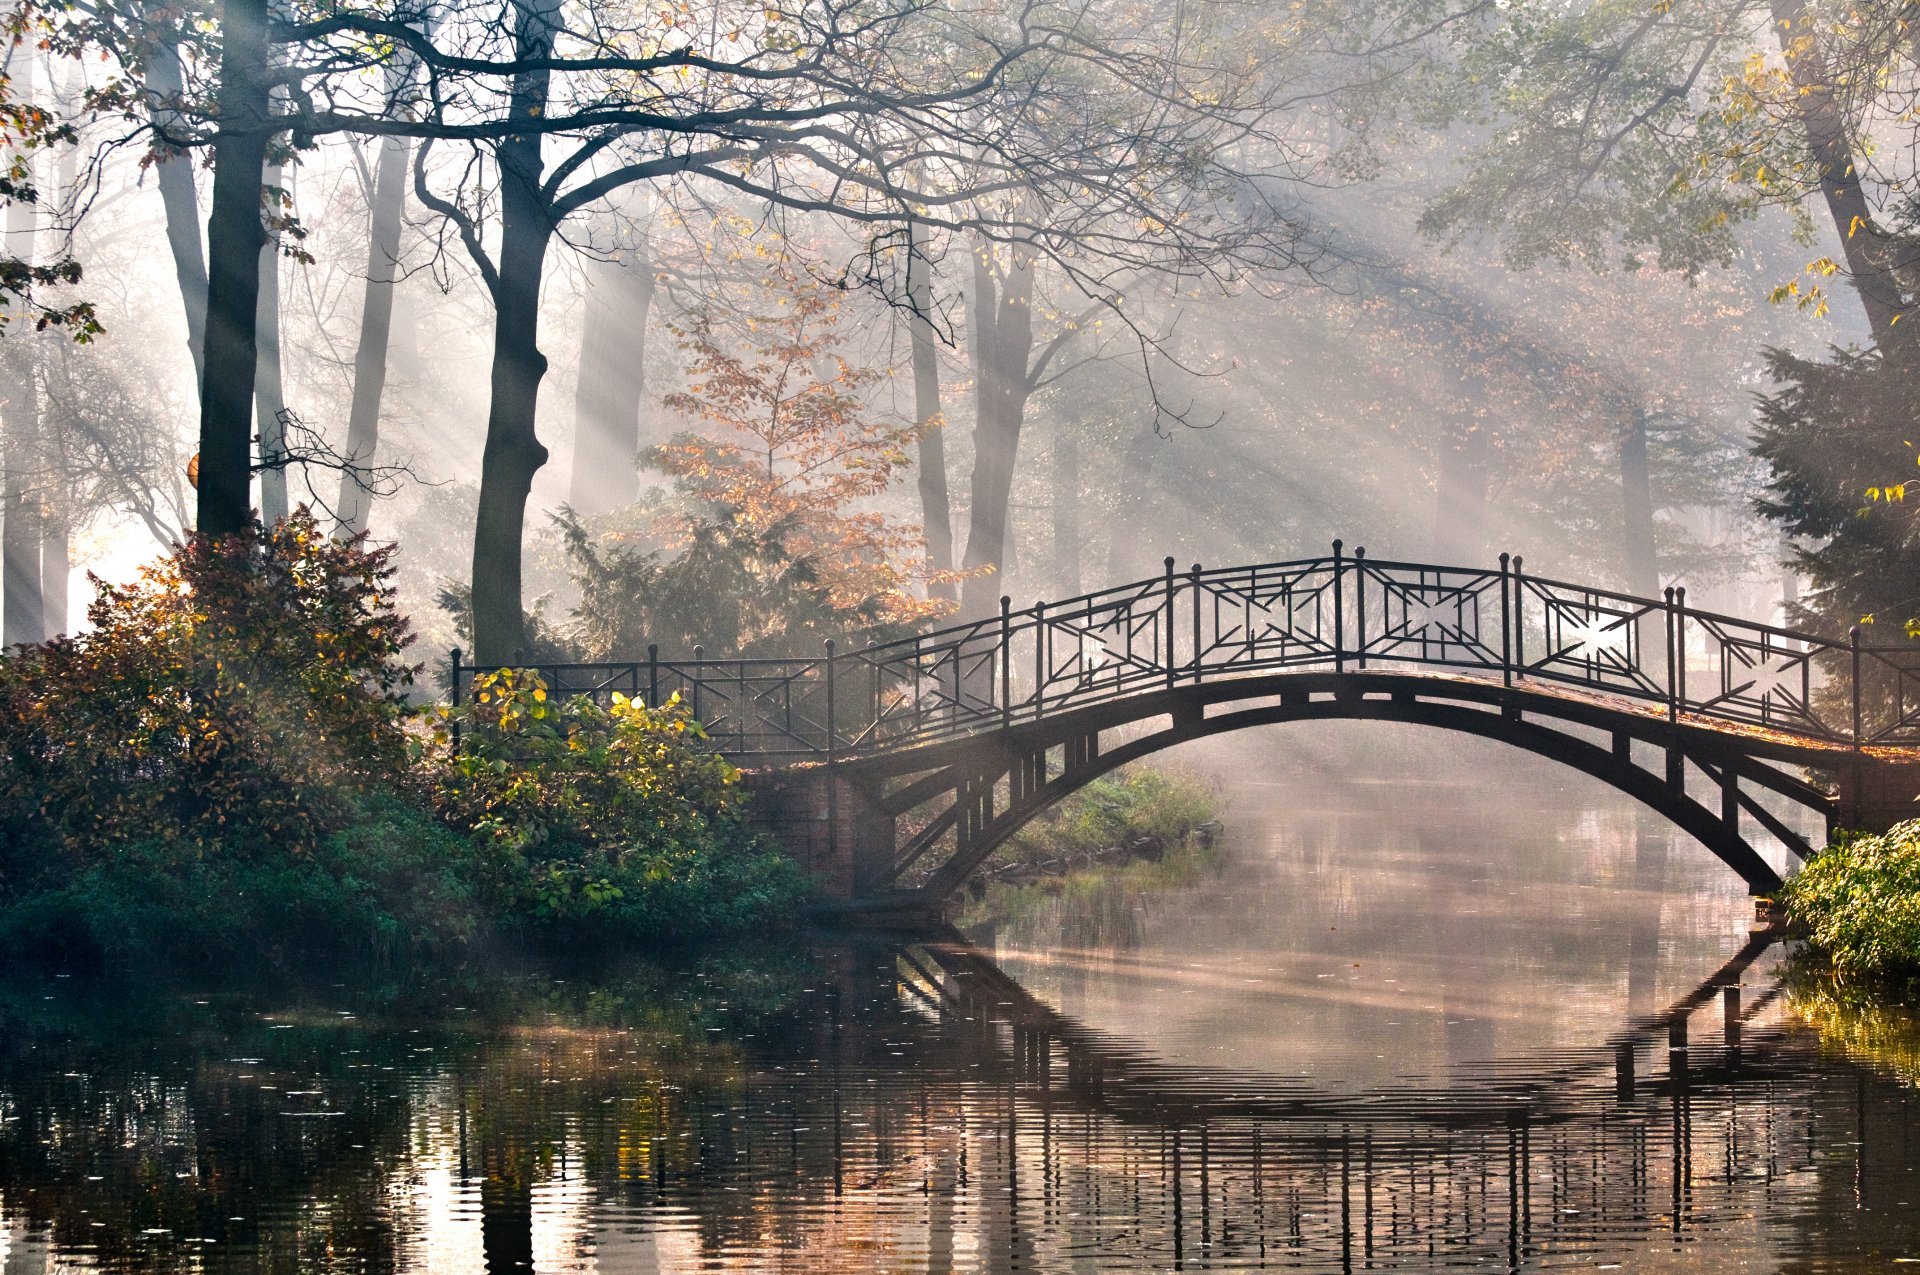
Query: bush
pixel 394 882
pixel 1859 903
pixel 1140 810
pixel 614 818
pixel 243 695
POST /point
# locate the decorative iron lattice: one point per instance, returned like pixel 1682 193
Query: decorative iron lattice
pixel 1331 614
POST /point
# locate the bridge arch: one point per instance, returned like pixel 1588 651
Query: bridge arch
pixel 963 800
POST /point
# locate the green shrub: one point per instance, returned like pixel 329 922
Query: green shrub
pixel 1138 805
pixel 395 882
pixel 242 696
pixel 1859 903
pixel 606 819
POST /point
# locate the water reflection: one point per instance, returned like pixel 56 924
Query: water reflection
pixel 941 1105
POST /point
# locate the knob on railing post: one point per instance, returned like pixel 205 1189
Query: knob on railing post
pixel 1339 619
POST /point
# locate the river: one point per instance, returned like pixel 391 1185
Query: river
pixel 1499 1021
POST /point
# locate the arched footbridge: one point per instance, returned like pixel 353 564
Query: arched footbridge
pixel 894 770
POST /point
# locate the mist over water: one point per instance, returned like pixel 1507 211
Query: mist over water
pixel 1434 1007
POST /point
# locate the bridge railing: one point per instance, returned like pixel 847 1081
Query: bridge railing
pixel 1334 613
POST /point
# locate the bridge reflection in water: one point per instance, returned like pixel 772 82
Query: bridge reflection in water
pixel 919 1109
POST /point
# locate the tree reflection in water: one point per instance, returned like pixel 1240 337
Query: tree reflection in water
pixel 910 1107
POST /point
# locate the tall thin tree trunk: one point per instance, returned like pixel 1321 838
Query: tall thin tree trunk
pixel 384 216
pixel 1127 552
pixel 1641 565
pixel 21 617
pixel 1003 343
pixel 181 203
pixel 513 451
pixel 610 397
pixel 56 569
pixel 235 235
pixel 936 513
pixel 268 397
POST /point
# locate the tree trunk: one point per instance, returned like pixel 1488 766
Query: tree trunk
pixel 609 398
pixel 56 568
pixel 1872 258
pixel 936 513
pixel 1003 344
pixel 513 452
pixel 268 397
pixel 384 216
pixel 1641 565
pixel 1066 506
pixel 21 618
pixel 235 235
pixel 181 204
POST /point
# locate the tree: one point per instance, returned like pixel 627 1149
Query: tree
pixel 797 456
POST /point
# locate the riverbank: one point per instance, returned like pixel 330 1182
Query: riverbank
pixel 1858 904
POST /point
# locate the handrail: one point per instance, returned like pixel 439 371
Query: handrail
pixel 1200 624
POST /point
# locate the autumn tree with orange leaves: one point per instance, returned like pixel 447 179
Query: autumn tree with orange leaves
pixel 794 451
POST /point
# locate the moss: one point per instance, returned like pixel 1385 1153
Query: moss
pixel 1858 902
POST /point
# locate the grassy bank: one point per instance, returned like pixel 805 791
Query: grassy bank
pixel 1084 867
pixel 1858 903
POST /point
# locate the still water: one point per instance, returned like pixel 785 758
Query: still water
pixel 1521 1030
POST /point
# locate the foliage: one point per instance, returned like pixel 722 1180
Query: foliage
pixel 616 817
pixel 731 587
pixel 394 881
pixel 1093 900
pixel 242 693
pixel 1139 806
pixel 1859 902
pixel 1838 438
pixel 797 453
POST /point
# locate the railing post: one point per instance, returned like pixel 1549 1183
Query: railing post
pixel 1166 621
pixel 1680 640
pixel 454 660
pixel 1506 619
pixel 1853 645
pixel 1519 661
pixel 1006 660
pixel 1673 680
pixel 875 665
pixel 653 675
pixel 698 653
pixel 1360 603
pixel 1339 618
pixel 1041 638
pixel 833 723
pixel 833 757
pixel 1196 621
